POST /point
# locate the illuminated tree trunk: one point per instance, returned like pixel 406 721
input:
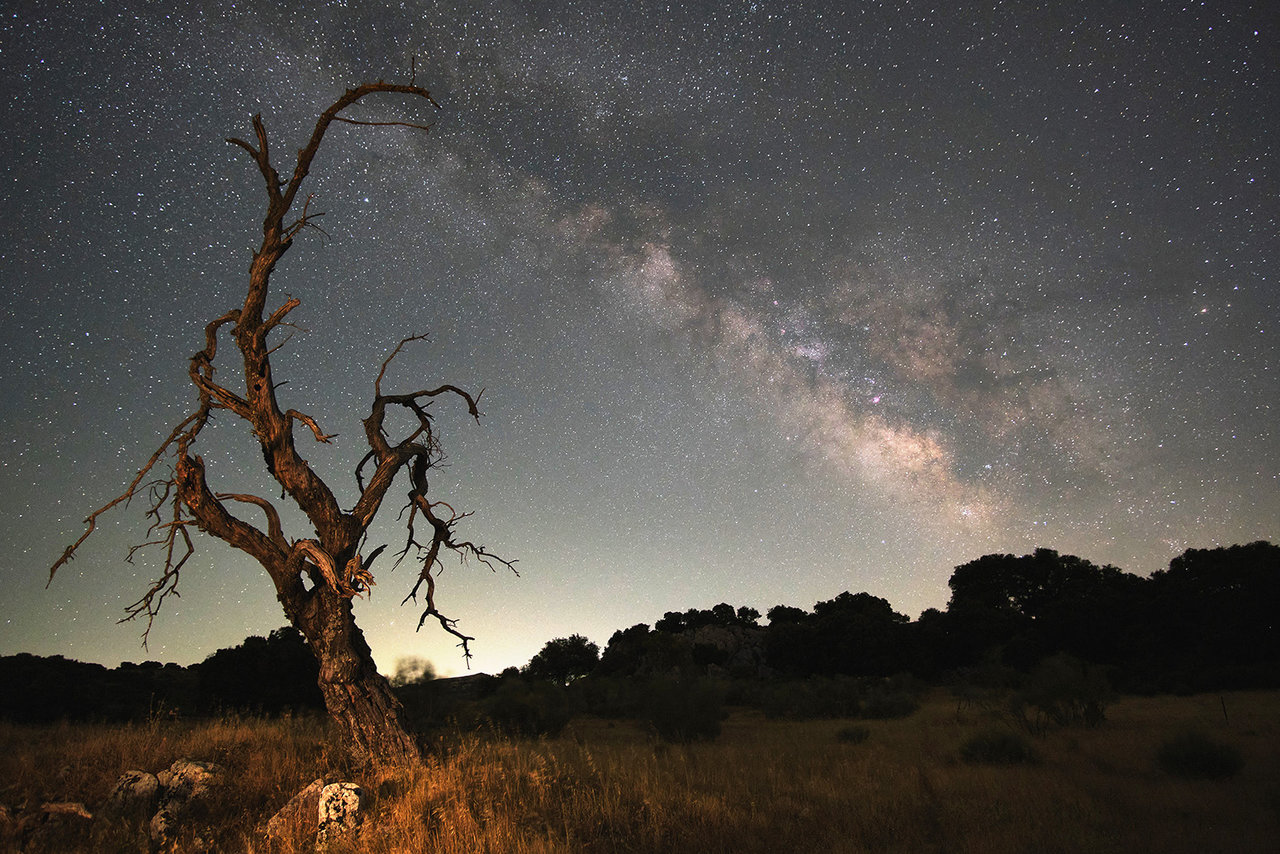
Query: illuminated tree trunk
pixel 357 696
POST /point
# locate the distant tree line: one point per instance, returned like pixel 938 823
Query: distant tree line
pixel 1040 621
pixel 267 676
pixel 1210 621
pixel 1045 637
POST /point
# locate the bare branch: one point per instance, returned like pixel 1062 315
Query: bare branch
pixel 282 343
pixel 307 154
pixel 261 155
pixel 382 124
pixel 447 624
pixel 304 221
pixel 275 531
pixel 320 435
pixel 167 584
pixel 279 314
pixel 377 384
pixel 125 497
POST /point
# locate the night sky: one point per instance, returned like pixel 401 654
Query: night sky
pixel 769 300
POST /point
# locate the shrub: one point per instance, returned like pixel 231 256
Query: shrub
pixel 997 747
pixel 885 703
pixel 815 697
pixel 1065 692
pixel 528 709
pixel 1195 756
pixel 684 710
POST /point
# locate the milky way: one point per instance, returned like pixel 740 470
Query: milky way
pixel 769 301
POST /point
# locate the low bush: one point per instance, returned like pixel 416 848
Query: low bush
pixel 997 747
pixel 840 697
pixel 887 703
pixel 1193 755
pixel 1062 691
pixel 527 709
pixel 683 710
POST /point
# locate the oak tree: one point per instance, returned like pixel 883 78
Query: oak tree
pixel 316 576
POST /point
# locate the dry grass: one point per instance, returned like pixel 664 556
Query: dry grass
pixel 763 786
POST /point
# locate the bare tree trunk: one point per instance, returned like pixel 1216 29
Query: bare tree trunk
pixel 357 696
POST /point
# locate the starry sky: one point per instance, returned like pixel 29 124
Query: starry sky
pixel 769 300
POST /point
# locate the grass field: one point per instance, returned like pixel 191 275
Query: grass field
pixel 762 786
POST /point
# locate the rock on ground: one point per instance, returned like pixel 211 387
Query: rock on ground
pixel 135 790
pixel 294 818
pixel 340 815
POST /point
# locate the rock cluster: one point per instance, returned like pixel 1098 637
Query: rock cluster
pixel 166 796
pixel 330 815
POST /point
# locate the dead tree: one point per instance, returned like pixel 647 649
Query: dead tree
pixel 315 576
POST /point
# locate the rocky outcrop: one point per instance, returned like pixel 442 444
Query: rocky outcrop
pixel 736 650
pixel 167 798
pixel 173 791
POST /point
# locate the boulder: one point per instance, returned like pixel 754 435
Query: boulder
pixel 294 820
pixel 740 649
pixel 186 780
pixel 135 791
pixel 163 823
pixel 182 783
pixel 340 815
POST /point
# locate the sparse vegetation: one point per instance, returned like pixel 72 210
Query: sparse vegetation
pixel 763 785
pixel 683 710
pixel 853 734
pixel 995 746
pixel 1193 755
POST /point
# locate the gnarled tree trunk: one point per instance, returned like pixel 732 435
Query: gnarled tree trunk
pixel 356 695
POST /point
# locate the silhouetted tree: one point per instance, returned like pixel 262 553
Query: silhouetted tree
pixel 786 614
pixel 412 670
pixel 1213 616
pixel 853 634
pixel 316 575
pixel 268 674
pixel 625 652
pixel 563 660
pixel 1042 603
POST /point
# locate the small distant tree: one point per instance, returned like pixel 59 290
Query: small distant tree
pixel 563 660
pixel 412 670
pixel 317 574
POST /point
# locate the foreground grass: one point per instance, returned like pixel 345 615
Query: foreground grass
pixel 763 786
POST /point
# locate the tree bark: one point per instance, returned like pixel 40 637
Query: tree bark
pixel 357 696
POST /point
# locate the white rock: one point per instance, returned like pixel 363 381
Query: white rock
pixel 340 815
